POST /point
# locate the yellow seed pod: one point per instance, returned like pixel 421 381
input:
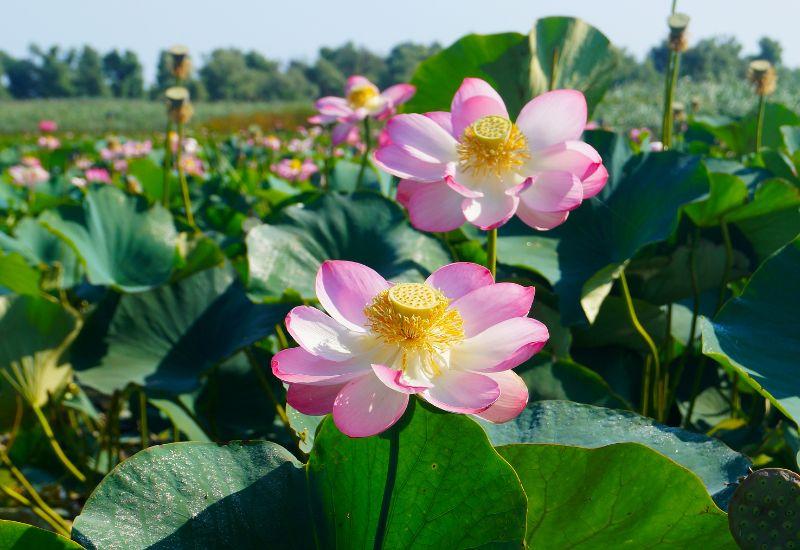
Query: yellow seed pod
pixel 492 129
pixel 678 41
pixel 414 299
pixel 762 75
pixel 181 63
pixel 179 108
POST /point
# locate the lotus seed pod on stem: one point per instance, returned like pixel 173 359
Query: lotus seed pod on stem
pixel 181 62
pixel 764 512
pixel 179 107
pixel 678 40
pixel 762 75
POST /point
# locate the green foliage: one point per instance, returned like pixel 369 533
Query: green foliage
pixel 20 536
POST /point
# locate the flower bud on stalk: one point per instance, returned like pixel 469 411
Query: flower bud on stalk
pixel 677 43
pixel 179 107
pixel 181 62
pixel 762 75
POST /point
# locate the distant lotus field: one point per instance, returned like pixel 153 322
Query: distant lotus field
pixel 501 305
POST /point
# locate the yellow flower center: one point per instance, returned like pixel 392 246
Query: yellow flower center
pixel 295 164
pixel 492 145
pixel 418 319
pixel 362 96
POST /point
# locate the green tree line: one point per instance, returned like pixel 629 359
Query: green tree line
pixel 234 74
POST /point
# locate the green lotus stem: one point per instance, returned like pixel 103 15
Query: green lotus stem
pixel 695 315
pixel 187 200
pixel 365 157
pixel 646 386
pixel 37 498
pixel 143 429
pixel 167 165
pixel 726 238
pixel 637 325
pixel 57 527
pixel 674 5
pixel 491 251
pixel 762 109
pixel 673 69
pixel 283 342
pixel 393 434
pixel 698 377
pixel 176 433
pixel 20 412
pixel 48 432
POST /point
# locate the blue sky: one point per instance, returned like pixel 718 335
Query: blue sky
pixel 288 29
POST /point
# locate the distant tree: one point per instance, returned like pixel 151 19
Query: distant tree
pixel 404 59
pixel 295 85
pixel 770 49
pixel 351 60
pixel 328 79
pixel 712 58
pixel 225 75
pixel 55 77
pixel 629 69
pixel 23 78
pixel 124 74
pixel 88 79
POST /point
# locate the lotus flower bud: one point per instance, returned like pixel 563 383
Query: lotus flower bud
pixel 678 41
pixel 181 63
pixel 696 102
pixel 679 111
pixel 179 107
pixel 762 75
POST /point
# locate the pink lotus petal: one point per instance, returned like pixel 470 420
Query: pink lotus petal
pixel 553 117
pixel 595 182
pixel 314 399
pixel 500 347
pixel 332 106
pixel 392 378
pixel 357 81
pixel 398 94
pixel 462 190
pixel 463 392
pixel 296 365
pixel 344 132
pixel 420 134
pixel 345 288
pixel 457 279
pixel 433 207
pixel 576 157
pixel 401 163
pixel 540 220
pixel 486 306
pixel 553 192
pixel 367 407
pixel 512 401
pixel 443 119
pixel 474 99
pixel 320 335
pixel 490 211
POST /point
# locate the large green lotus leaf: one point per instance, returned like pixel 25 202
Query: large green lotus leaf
pixel 569 53
pixel 41 247
pixel 33 333
pixel 620 496
pixel 757 335
pixel 452 490
pixel 500 59
pixel 581 257
pixel 122 242
pixel 21 536
pixel 567 423
pixel 166 338
pixel 564 379
pixel 363 227
pixel 16 276
pixel 199 495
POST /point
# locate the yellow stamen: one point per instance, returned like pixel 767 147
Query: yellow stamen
pixel 492 145
pixel 418 319
pixel 295 164
pixel 362 96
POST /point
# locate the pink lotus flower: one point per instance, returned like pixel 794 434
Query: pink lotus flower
pixel 638 135
pixel 28 174
pixel 272 142
pixel 50 143
pixel 193 166
pixel 362 99
pixel 473 164
pixel 47 126
pixel 656 146
pixel 452 340
pixel 97 175
pixel 120 165
pixel 190 145
pixel 295 169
